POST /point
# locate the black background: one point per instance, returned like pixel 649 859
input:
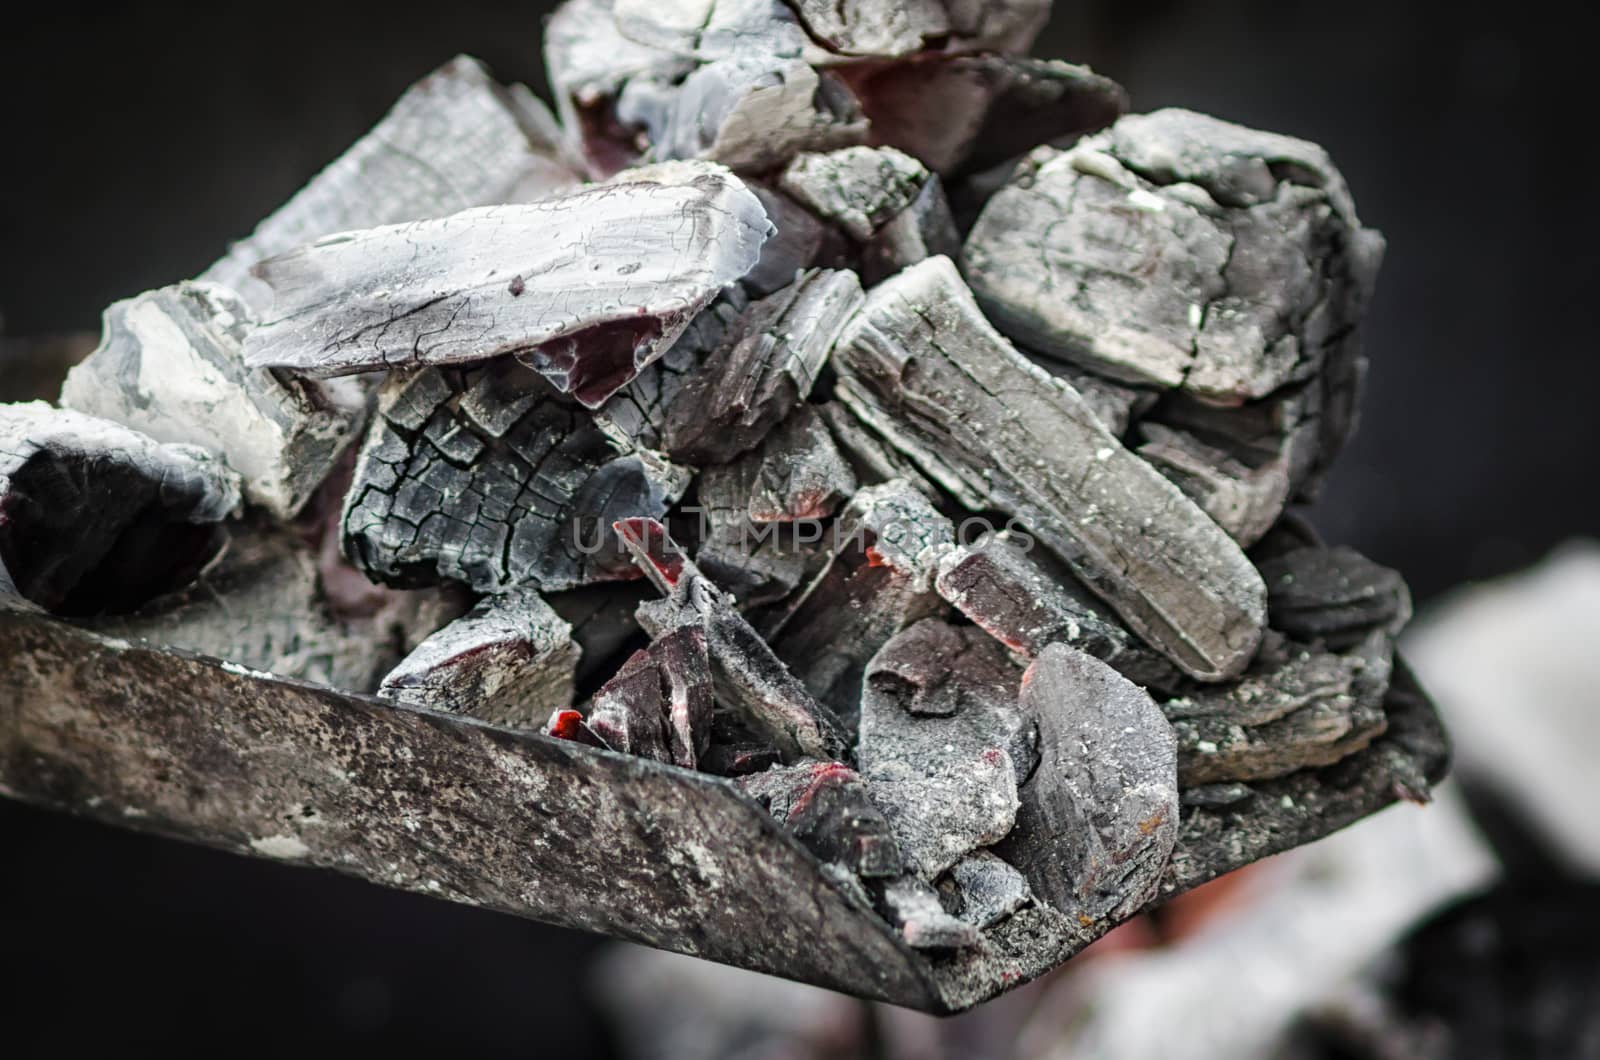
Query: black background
pixel 138 140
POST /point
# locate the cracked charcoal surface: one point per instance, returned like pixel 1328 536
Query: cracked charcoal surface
pixel 510 660
pixel 1099 816
pixel 588 287
pixel 489 477
pixel 826 806
pixel 454 140
pixel 923 367
pixel 95 517
pixel 170 364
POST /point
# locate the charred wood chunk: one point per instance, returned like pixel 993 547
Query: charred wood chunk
pixel 586 287
pixel 1205 256
pixel 764 366
pixel 913 907
pixel 1013 593
pixel 1245 501
pixel 984 890
pixel 883 199
pixel 1099 817
pixel 1296 708
pixel 753 546
pixel 660 704
pixel 825 804
pixel 874 460
pixel 264 606
pixel 885 550
pixel 510 660
pixel 963 113
pixel 943 744
pixel 923 367
pixel 454 140
pixel 96 518
pixel 1116 405
pixel 1333 595
pixel 938 696
pixel 748 677
pixel 489 477
pixel 170 364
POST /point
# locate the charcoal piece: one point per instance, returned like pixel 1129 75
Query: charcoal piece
pixel 1099 817
pixel 748 677
pixel 510 660
pixel 659 705
pixel 764 366
pixel 454 140
pixel 1333 595
pixel 914 908
pixel 170 364
pixel 880 30
pixel 752 547
pixel 1012 593
pixel 874 460
pixel 938 697
pixel 860 189
pixel 709 30
pixel 923 229
pixel 885 550
pixel 1296 708
pixel 264 607
pixel 985 889
pixel 939 817
pixel 964 113
pixel 751 112
pixel 1205 256
pixel 1245 501
pixel 569 725
pixel 587 287
pixel 825 805
pixel 800 241
pixel 95 517
pixel 922 365
pixel 489 477
pixel 601 617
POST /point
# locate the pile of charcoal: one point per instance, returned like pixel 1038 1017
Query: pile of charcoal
pixel 830 398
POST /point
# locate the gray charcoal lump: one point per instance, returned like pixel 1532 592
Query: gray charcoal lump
pixel 830 398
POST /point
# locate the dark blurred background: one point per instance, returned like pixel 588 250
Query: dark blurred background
pixel 138 140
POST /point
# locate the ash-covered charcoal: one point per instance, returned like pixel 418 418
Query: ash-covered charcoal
pixel 264 606
pixel 1206 256
pixel 1011 591
pixel 825 804
pixel 1333 595
pixel 984 890
pixel 938 697
pixel 97 518
pixel 454 140
pixel 1116 405
pixel 882 198
pixel 1099 816
pixel 873 460
pixel 170 364
pixel 939 817
pixel 749 678
pixel 509 660
pixel 914 907
pixel 586 287
pixel 765 365
pixel 753 546
pixel 964 113
pixel 660 704
pixel 488 476
pixel 1245 501
pixel 1297 708
pixel 922 366
pixel 885 548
